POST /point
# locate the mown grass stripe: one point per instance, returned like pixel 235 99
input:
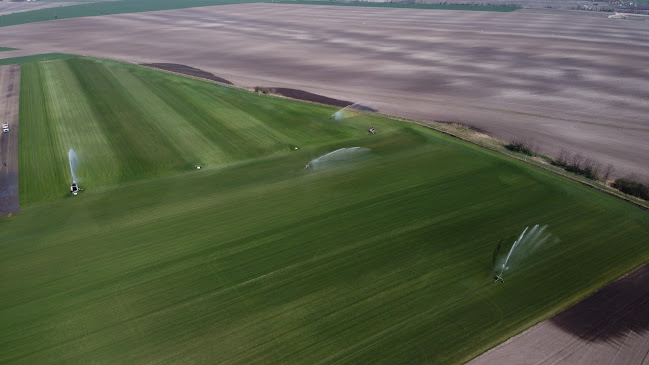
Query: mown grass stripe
pixel 189 142
pixel 143 150
pixel 77 127
pixel 41 161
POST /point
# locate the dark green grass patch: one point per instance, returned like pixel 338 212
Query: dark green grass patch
pixel 256 259
pixel 388 260
pixel 2 49
pixel 498 8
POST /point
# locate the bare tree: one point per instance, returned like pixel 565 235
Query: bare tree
pixel 563 158
pixel 590 168
pixel 534 146
pixel 607 172
pixel 576 159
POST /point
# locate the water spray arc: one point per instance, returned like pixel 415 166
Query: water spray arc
pixel 340 155
pixel 74 161
pixel 347 111
pixel 528 241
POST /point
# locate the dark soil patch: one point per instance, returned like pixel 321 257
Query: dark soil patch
pixel 465 125
pixel 305 95
pixel 612 312
pixel 187 70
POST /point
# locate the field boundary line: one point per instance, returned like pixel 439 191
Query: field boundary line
pixel 566 175
pixel 421 123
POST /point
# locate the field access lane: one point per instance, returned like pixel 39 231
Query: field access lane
pixel 568 81
pixel 9 93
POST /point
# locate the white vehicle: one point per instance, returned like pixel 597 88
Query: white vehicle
pixel 75 189
pixel 5 128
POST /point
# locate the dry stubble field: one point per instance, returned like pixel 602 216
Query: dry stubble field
pixel 568 81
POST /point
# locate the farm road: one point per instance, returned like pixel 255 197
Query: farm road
pixel 9 93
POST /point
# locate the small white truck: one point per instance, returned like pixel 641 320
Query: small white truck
pixel 5 128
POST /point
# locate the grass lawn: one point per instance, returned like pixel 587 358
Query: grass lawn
pixel 33 58
pixel 253 258
pixel 107 8
pixel 98 8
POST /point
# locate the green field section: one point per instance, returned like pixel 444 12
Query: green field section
pixel 2 49
pixel 33 58
pixel 384 257
pixel 107 8
pixel 98 8
pixel 126 123
pixel 405 5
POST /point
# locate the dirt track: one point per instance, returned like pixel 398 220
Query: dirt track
pixel 577 82
pixel 609 327
pixel 9 93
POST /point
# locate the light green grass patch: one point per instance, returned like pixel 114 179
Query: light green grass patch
pixel 185 138
pixel 126 123
pixel 34 58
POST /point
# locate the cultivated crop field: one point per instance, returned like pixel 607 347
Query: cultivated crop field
pixel 253 258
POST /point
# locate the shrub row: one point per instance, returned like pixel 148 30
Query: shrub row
pixel 632 187
pixel 584 166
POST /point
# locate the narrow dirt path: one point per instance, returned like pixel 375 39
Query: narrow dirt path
pixel 9 93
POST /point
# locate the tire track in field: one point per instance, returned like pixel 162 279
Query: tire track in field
pixel 9 93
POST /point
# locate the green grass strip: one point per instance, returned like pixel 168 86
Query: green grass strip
pixel 137 6
pixel 2 49
pixel 107 8
pixel 34 58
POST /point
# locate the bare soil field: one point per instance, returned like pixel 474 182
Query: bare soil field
pixel 573 82
pixel 7 7
pixel 9 93
pixel 609 327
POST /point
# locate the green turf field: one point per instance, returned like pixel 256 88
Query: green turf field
pixel 254 259
pixel 33 58
pixel 98 8
pixel 107 8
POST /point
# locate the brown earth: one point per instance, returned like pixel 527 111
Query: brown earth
pixel 9 92
pixel 609 327
pixel 187 70
pixel 575 82
pixel 307 96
